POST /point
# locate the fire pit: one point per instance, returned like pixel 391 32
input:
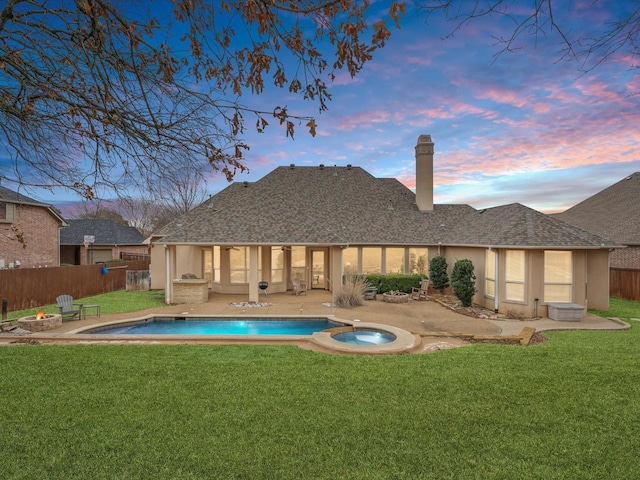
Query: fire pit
pixel 40 322
pixel 395 296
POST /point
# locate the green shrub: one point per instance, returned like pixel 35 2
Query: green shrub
pixel 387 283
pixel 438 273
pixel 463 281
pixel 351 293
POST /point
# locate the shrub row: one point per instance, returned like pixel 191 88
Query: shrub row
pixel 387 283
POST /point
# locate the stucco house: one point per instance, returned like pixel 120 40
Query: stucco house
pixel 29 232
pixel 107 240
pixel 613 213
pixel 317 223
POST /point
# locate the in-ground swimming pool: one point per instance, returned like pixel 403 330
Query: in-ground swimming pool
pixel 227 326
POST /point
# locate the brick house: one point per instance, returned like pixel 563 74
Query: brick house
pixel 110 240
pixel 29 232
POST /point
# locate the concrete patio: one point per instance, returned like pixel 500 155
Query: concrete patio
pixel 428 319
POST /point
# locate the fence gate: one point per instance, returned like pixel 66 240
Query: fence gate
pixel 138 280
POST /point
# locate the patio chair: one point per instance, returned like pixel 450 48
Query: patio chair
pixel 68 309
pixel 299 286
pixel 370 293
pixel 420 293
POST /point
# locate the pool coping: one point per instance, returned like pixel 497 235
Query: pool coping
pixel 319 341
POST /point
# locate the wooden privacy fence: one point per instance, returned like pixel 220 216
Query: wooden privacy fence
pixel 33 287
pixel 624 283
pixel 138 280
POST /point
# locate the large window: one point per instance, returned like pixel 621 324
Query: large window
pixel 371 260
pixel 298 263
pixel 211 264
pixel 558 276
pixel 239 265
pixel 418 264
pixel 490 273
pixel 514 275
pixel 216 264
pixel 394 261
pixel 207 265
pixel 277 264
pixel 350 261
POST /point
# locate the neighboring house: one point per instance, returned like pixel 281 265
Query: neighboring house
pixel 319 223
pixel 613 213
pixel 29 232
pixel 105 240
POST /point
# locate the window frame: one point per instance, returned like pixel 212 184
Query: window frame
pixel 9 212
pixel 547 283
pixel 490 272
pixel 508 281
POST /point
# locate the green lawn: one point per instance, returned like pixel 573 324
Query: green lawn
pixel 119 301
pixel 567 408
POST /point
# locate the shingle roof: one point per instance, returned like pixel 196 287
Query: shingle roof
pixel 517 225
pixel 15 197
pixel 106 232
pixel 347 205
pixel 612 213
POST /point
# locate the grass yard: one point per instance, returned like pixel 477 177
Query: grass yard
pixel 567 408
pixel 119 301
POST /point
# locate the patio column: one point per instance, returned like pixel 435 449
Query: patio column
pixel 167 275
pixel 254 291
pixel 336 270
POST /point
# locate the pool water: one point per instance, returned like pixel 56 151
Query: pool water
pixel 363 336
pixel 231 326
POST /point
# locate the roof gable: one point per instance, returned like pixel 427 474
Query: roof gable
pixel 516 225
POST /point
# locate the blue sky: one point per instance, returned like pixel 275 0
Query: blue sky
pixel 520 127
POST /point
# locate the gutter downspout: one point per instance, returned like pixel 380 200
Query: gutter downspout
pixel 496 299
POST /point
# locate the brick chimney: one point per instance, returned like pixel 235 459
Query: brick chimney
pixel 424 173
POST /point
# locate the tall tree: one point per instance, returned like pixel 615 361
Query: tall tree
pixel 103 94
pixel 98 210
pixel 182 190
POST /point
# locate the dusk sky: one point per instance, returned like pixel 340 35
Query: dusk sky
pixel 521 127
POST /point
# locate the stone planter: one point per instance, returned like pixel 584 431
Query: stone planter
pixel 395 297
pixel 48 322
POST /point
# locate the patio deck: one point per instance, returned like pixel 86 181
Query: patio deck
pixel 432 321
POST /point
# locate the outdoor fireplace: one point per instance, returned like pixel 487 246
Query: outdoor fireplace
pixel 40 321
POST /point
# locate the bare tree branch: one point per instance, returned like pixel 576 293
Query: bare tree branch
pixel 97 93
pixel 538 19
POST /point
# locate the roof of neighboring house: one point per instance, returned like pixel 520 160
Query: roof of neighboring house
pixel 106 232
pixel 10 196
pixel 347 205
pixel 612 213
